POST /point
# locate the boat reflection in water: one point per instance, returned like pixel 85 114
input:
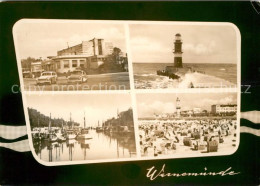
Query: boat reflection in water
pixel 101 146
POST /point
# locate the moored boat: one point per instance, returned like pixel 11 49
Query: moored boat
pixel 70 135
pixel 53 138
pixel 84 134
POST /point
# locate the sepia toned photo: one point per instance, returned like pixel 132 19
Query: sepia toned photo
pixel 168 56
pixel 68 121
pixel 84 127
pixel 183 125
pixel 71 55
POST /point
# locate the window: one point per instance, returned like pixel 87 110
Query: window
pixel 82 63
pixel 58 64
pixel 66 63
pixel 100 52
pixel 74 63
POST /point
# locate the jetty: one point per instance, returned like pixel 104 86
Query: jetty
pixel 178 69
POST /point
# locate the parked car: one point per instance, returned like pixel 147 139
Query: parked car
pixel 77 76
pixel 47 77
pixel 27 74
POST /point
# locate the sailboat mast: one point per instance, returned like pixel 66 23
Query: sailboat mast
pixel 50 122
pixel 84 121
pixel 71 124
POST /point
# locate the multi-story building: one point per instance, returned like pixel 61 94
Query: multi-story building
pixel 88 54
pixel 223 109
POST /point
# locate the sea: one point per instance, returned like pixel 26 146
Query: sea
pixel 213 76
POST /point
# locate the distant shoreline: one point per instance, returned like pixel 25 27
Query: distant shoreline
pixel 187 118
pixel 183 63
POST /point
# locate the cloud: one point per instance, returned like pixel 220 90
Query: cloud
pixel 200 48
pixel 149 50
pixel 39 41
pixel 208 102
pixel 158 107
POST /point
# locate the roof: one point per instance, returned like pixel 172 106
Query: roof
pixel 36 63
pixel 226 105
pixel 47 71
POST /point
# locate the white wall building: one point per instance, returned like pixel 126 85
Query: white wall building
pixel 221 109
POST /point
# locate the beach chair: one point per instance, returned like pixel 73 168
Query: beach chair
pixel 184 134
pixel 221 140
pixel 212 146
pixel 187 141
pixel 199 146
pixel 159 133
pixel 196 135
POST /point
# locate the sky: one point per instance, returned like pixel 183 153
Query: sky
pixel 97 107
pixel 44 39
pixel 201 44
pixel 148 104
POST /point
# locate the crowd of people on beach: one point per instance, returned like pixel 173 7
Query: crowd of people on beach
pixel 164 137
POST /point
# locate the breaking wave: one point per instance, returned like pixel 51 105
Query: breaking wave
pixel 188 80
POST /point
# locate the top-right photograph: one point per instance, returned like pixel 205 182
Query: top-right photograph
pixel 185 55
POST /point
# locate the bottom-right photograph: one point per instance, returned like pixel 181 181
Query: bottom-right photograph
pixel 187 124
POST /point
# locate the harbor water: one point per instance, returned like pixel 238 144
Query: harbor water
pixel 101 146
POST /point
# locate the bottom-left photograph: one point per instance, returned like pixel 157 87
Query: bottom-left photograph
pixel 74 127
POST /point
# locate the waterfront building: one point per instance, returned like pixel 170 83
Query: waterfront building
pixel 88 55
pixel 223 109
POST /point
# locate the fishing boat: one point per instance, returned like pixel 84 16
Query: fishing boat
pixel 36 136
pixel 84 134
pixel 99 129
pixel 60 137
pixel 53 138
pixel 70 135
pixel 70 132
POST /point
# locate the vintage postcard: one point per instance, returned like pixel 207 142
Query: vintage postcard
pixel 121 93
pixel 108 91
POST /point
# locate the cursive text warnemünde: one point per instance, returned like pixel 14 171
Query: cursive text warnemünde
pixel 153 173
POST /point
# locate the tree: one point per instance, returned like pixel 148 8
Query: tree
pixel 26 63
pixel 116 51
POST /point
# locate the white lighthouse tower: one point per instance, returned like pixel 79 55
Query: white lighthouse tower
pixel 178 107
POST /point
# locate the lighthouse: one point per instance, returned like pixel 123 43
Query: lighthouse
pixel 178 107
pixel 177 51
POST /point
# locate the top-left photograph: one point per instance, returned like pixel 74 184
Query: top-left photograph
pixel 67 55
